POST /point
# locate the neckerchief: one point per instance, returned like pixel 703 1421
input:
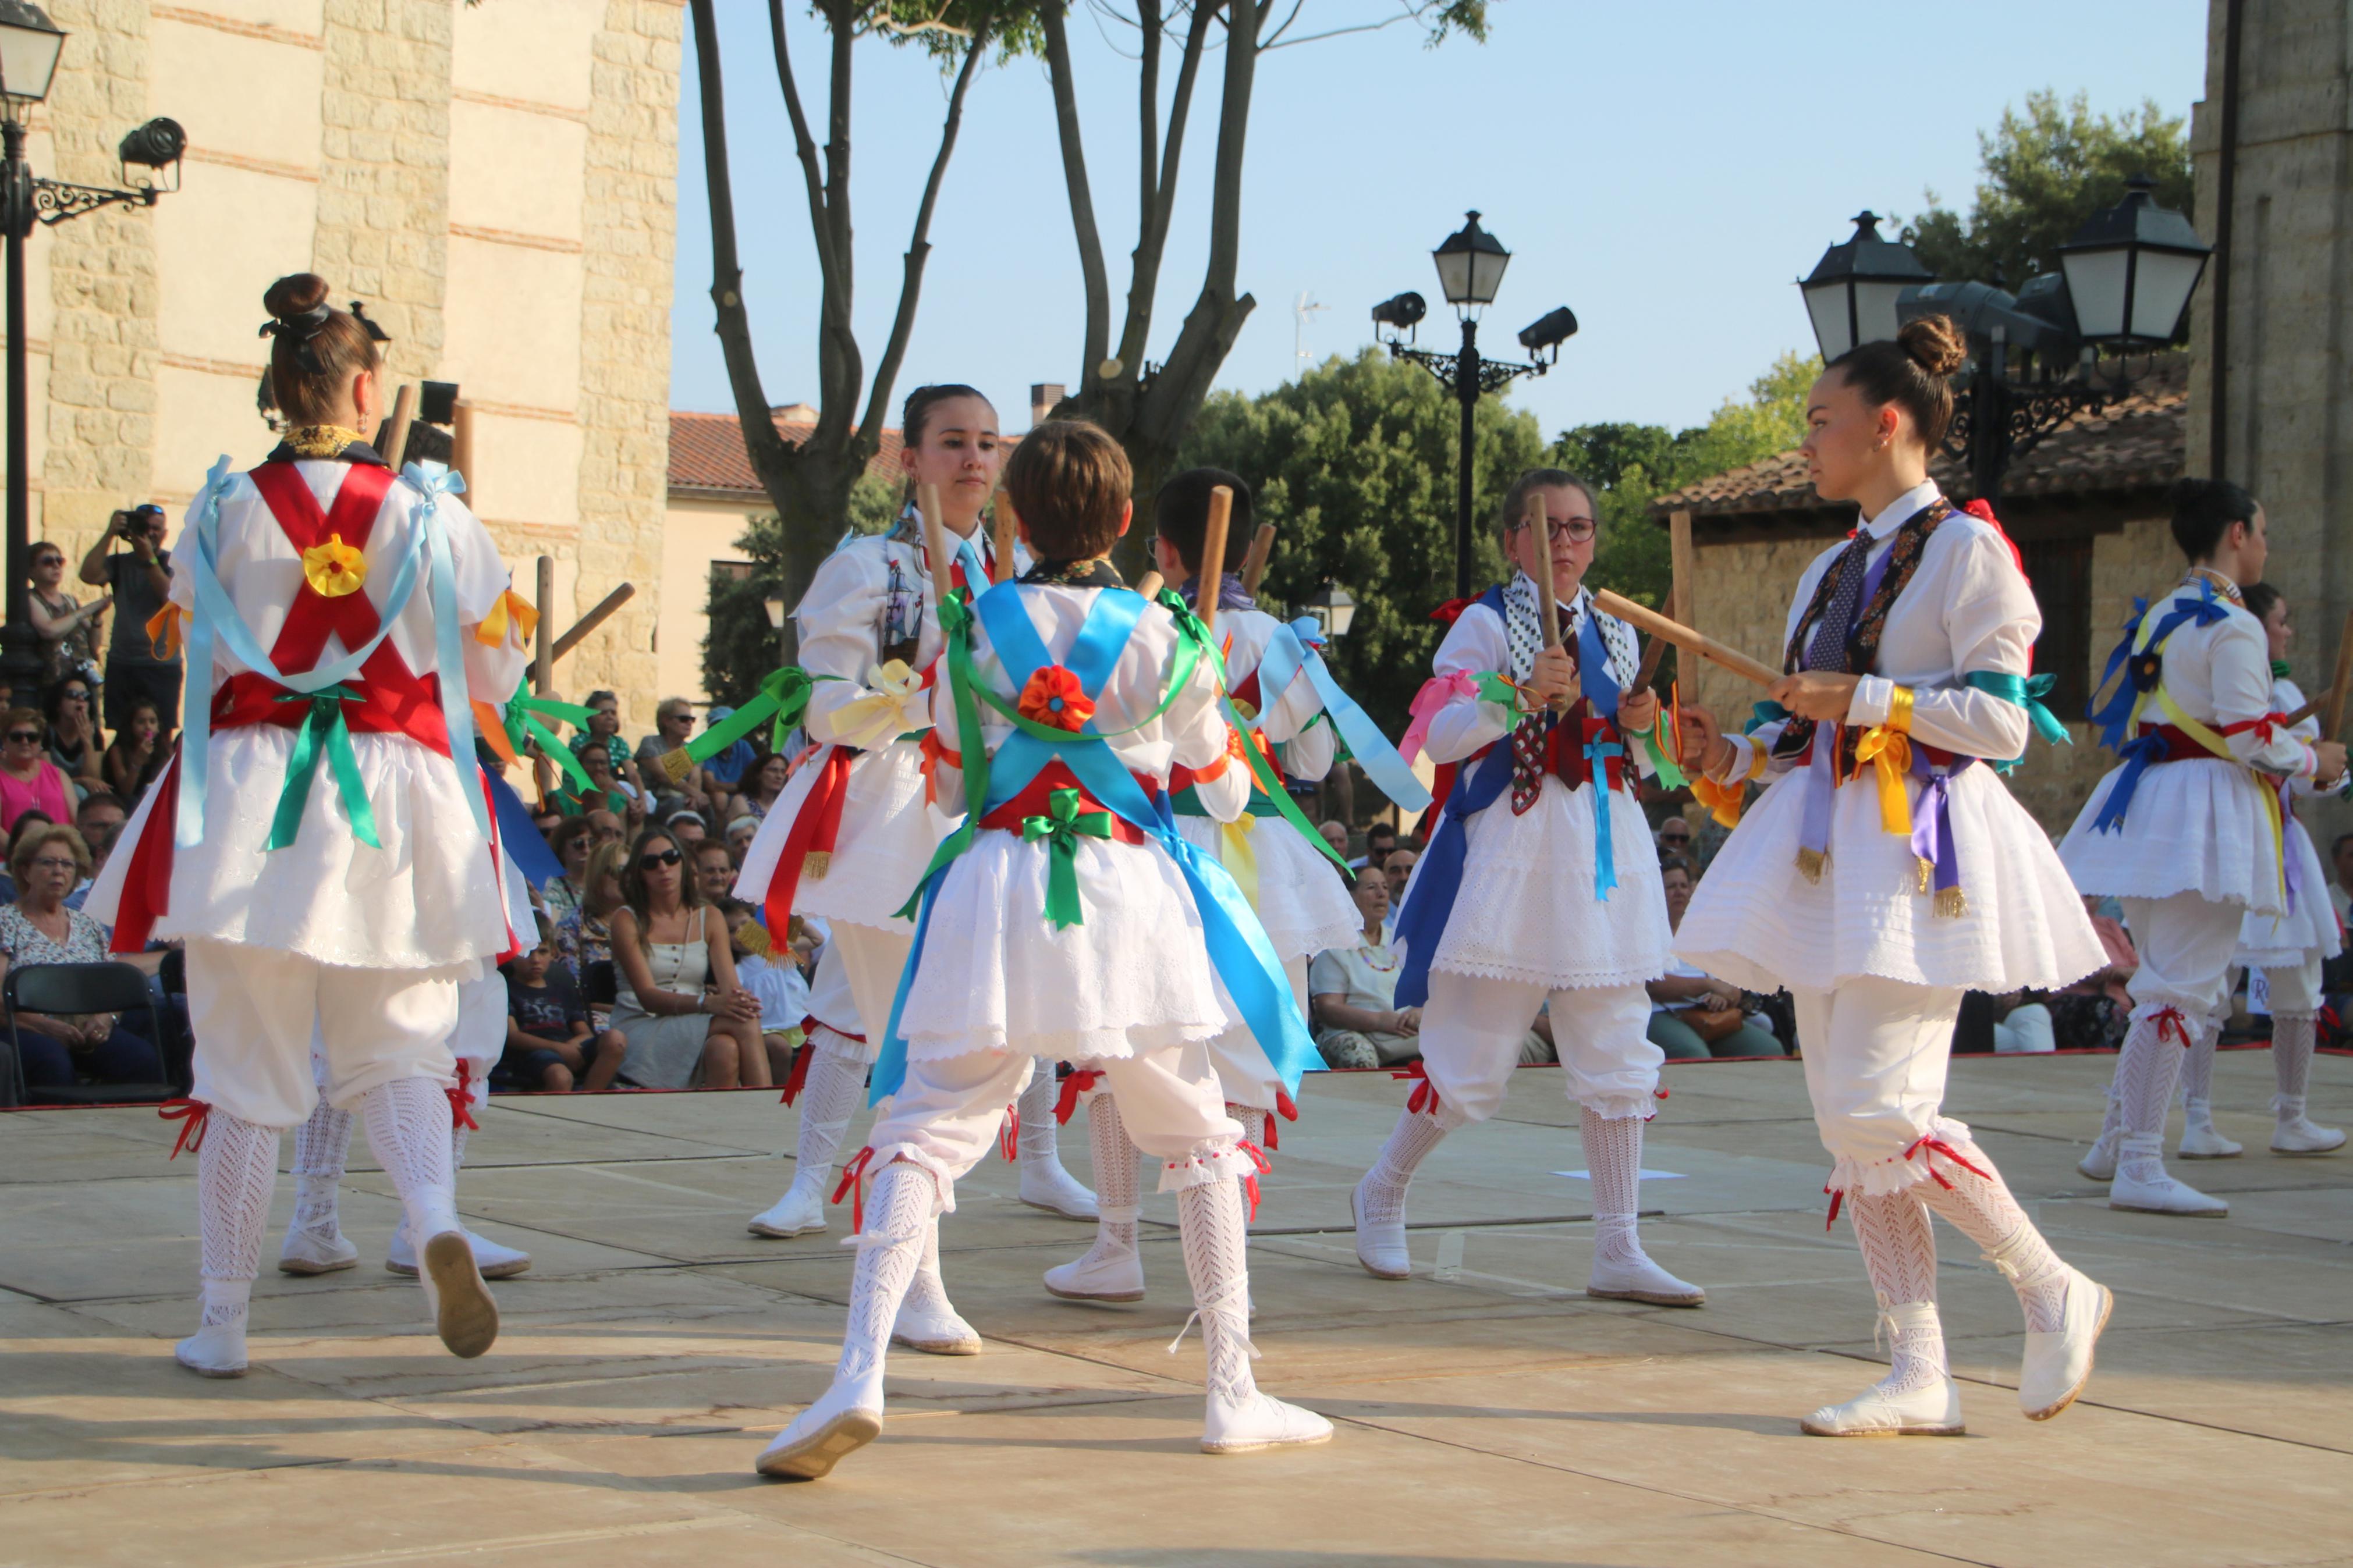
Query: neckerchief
pixel 2281 670
pixel 1885 584
pixel 1091 572
pixel 351 451
pixel 1231 595
pixel 1524 639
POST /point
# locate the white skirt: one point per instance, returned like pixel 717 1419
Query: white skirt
pixel 1303 900
pixel 993 975
pixel 2198 826
pixel 429 896
pixel 2294 937
pixel 888 834
pixel 1756 920
pixel 1526 909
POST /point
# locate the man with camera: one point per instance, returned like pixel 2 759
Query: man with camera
pixel 140 579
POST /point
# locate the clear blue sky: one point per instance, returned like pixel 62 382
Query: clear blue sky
pixel 1665 170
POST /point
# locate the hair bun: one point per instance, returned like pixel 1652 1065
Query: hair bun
pixel 296 295
pixel 1935 343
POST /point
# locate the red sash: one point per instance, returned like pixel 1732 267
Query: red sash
pixel 1032 802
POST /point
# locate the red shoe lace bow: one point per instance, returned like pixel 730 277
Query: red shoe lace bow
pixel 1249 1178
pixel 2170 1020
pixel 1008 1134
pixel 1934 1146
pixel 853 1181
pixel 191 1115
pixel 1081 1081
pixel 461 1100
pixel 1425 1094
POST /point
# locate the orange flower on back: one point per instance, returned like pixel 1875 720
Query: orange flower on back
pixel 1052 697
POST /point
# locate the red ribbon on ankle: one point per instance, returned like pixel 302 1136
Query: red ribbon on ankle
pixel 1080 1080
pixel 1939 1146
pixel 1837 1198
pixel 191 1115
pixel 1424 1094
pixel 1008 1134
pixel 853 1181
pixel 797 1078
pixel 462 1109
pixel 1249 1178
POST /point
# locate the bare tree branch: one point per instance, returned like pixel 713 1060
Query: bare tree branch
pixel 1159 203
pixel 804 145
pixel 1083 207
pixel 919 249
pixel 771 458
pixel 841 368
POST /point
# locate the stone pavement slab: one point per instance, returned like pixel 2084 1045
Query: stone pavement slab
pixel 1494 1419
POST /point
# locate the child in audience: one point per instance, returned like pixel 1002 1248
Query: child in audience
pixel 547 1025
pixel 776 980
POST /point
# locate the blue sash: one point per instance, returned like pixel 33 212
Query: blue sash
pixel 1238 945
pixel 1296 649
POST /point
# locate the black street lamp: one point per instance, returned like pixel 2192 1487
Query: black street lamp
pixel 29 45
pixel 1470 268
pixel 2123 287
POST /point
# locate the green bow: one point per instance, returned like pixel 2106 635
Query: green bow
pixel 2027 692
pixel 1061 829
pixel 323 723
pixel 525 717
pixel 781 702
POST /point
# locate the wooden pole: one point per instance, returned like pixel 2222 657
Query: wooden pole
pixel 1007 530
pixel 1210 578
pixel 461 453
pixel 542 663
pixel 404 412
pixel 935 541
pixel 1655 651
pixel 2333 701
pixel 1548 603
pixel 1150 585
pixel 1683 637
pixel 592 620
pixel 1254 563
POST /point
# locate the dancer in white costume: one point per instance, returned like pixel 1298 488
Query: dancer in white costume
pixel 1537 889
pixel 2286 950
pixel 316 846
pixel 1065 920
pixel 1288 873
pixel 849 838
pixel 2195 833
pixel 315 1243
pixel 1886 869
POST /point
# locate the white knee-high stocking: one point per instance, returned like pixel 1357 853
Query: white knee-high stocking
pixel 1209 1219
pixel 1383 1190
pixel 1038 1138
pixel 1899 1253
pixel 1979 1204
pixel 321 1146
pixel 1117 1179
pixel 2198 1063
pixel 1613 1155
pixel 901 1216
pixel 2292 1045
pixel 829 1100
pixel 237 1165
pixel 2147 1069
pixel 409 1129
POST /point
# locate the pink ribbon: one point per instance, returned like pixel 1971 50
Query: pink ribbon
pixel 1435 693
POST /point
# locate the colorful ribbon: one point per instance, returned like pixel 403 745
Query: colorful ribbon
pixel 1296 649
pixel 783 697
pixel 322 729
pixel 1435 694
pixel 193 1117
pixel 880 716
pixel 2027 692
pixel 1061 828
pixel 1081 1081
pixel 1599 751
pixel 1237 856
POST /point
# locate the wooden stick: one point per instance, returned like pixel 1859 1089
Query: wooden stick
pixel 1150 585
pixel 1683 637
pixel 1254 563
pixel 1652 652
pixel 403 412
pixel 936 540
pixel 591 621
pixel 1210 578
pixel 1008 528
pixel 2334 700
pixel 1548 603
pixel 542 663
pixel 461 452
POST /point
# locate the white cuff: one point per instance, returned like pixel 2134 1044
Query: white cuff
pixel 1873 694
pixel 1744 757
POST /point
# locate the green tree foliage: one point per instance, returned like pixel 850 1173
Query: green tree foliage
pixel 1354 464
pixel 1632 465
pixel 742 648
pixel 2046 170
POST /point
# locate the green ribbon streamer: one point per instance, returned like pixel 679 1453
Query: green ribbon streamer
pixel 1495 688
pixel 955 627
pixel 1062 827
pixel 525 716
pixel 1670 775
pixel 324 724
pixel 2028 693
pixel 783 695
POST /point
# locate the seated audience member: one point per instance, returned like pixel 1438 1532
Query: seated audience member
pixel 606 827
pixel 1335 834
pixel 687 826
pixel 2095 1012
pixel 1352 997
pixel 689 1023
pixel 715 870
pixel 101 851
pixel 99 815
pixel 1674 837
pixel 138 753
pixel 74 743
pixel 673 728
pixel 740 834
pixel 723 770
pixel 768 778
pixel 573 838
pixel 28 780
pixel 605 791
pixel 585 936
pixel 47 860
pixel 1694 1015
pixel 603 734
pixel 1379 839
pixel 1397 870
pixel 548 1033
pixel 773 978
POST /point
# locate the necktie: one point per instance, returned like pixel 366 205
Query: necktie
pixel 1828 650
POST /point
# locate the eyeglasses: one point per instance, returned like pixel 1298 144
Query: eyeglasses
pixel 52 863
pixel 1576 529
pixel 1674 837
pixel 48 560
pixel 659 858
pixel 74 695
pixel 24 737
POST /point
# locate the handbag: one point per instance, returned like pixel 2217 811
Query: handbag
pixel 1713 1024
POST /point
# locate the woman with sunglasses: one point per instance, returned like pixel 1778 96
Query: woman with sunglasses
pixel 1540 887
pixel 687 1022
pixel 67 628
pixel 30 781
pixel 325 852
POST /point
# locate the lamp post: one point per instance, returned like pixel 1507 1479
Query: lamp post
pixel 2123 286
pixel 1470 269
pixel 29 46
pixel 1332 607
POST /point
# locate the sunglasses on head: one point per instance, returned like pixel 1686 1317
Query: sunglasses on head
pixel 652 858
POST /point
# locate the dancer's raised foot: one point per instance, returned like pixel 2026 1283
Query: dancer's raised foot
pixel 2059 1364
pixel 1380 1243
pixel 845 1419
pixel 463 1313
pixel 800 1212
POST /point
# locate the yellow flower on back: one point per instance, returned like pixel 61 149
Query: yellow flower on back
pixel 334 568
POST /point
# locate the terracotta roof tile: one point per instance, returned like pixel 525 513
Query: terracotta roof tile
pixel 2133 444
pixel 707 457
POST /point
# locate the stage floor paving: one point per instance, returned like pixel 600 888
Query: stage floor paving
pixel 1495 1416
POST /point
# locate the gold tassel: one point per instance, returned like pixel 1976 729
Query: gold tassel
pixel 1928 873
pixel 753 938
pixel 677 764
pixel 1951 903
pixel 1811 863
pixel 816 864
